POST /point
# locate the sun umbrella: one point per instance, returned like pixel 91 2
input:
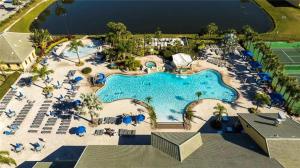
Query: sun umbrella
pixel 140 118
pixel 127 120
pixel 247 53
pixel 78 78
pixel 80 130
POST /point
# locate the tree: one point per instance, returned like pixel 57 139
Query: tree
pixel 261 99
pixel 117 32
pixel 91 103
pixel 230 42
pixel 212 29
pixel 149 99
pixel 40 38
pixel 250 34
pixel 198 94
pixel 5 159
pixel 74 46
pixel 158 36
pixel 220 111
pixel 41 73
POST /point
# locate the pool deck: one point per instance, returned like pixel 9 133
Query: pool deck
pixel 204 110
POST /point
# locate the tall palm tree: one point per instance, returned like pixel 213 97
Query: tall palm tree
pixel 41 73
pixel 149 99
pixel 250 35
pixel 40 38
pixel 198 94
pixel 261 99
pixel 91 103
pixel 5 159
pixel 220 111
pixel 212 29
pixel 74 46
pixel 158 36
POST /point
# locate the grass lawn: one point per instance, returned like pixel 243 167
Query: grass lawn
pixel 23 25
pixel 287 21
pixel 5 86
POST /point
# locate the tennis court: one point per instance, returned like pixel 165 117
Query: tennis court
pixel 289 55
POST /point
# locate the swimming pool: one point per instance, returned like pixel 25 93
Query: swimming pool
pixel 150 64
pixel 86 50
pixel 170 92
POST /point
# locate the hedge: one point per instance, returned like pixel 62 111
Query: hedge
pixel 8 83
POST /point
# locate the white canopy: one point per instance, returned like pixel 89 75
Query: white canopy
pixel 182 60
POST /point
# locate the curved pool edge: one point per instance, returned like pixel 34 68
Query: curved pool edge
pixel 219 73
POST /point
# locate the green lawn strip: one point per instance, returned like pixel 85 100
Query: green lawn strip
pixel 287 22
pixel 23 25
pixel 7 22
pixel 8 82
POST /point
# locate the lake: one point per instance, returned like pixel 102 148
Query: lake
pixel 145 16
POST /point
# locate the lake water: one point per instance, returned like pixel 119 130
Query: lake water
pixel 144 16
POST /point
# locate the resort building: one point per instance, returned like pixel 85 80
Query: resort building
pixel 278 138
pixel 16 51
pixel 195 150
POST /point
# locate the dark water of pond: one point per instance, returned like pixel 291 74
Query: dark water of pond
pixel 144 16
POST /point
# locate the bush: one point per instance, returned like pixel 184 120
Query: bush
pixel 7 84
pixel 86 70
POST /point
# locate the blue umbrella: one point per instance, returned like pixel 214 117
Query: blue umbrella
pixel 140 118
pixel 78 78
pixel 248 53
pixel 127 120
pixel 277 98
pixel 80 130
pixel 265 77
pixel 77 103
pixel 255 65
pixel 101 78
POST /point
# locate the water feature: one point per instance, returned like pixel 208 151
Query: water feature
pixel 170 93
pixel 144 16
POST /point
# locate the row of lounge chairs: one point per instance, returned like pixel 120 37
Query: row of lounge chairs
pixel 6 100
pixel 217 62
pixel 111 132
pixel 108 120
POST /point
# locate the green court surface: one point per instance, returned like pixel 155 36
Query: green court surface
pixel 288 56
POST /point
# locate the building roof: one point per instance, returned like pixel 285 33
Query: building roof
pixel 263 123
pixel 181 59
pixel 15 47
pixel 176 138
pixel 226 151
pixel 42 165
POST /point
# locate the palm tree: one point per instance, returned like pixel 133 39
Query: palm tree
pixel 149 99
pixel 220 111
pixel 41 73
pixel 261 99
pixel 212 29
pixel 198 94
pixel 5 159
pixel 91 103
pixel 158 36
pixel 40 38
pixel 74 46
pixel 189 114
pixel 250 35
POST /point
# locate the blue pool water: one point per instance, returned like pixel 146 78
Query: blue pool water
pixel 170 92
pixel 82 51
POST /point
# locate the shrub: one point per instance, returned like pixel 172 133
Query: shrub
pixel 7 84
pixel 86 70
